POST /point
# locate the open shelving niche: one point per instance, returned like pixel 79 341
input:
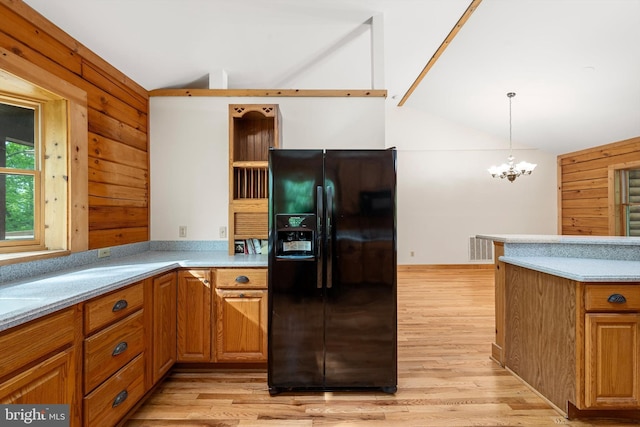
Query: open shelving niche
pixel 253 129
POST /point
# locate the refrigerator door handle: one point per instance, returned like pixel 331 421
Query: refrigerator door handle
pixel 329 233
pixel 319 209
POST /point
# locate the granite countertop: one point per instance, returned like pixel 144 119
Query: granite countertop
pixel 581 269
pixel 580 258
pixel 561 239
pixel 28 299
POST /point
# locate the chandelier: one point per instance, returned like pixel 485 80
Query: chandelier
pixel 509 170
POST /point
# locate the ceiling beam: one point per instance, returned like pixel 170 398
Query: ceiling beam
pixel 454 31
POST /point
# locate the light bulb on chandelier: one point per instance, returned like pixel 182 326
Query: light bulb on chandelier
pixel 509 170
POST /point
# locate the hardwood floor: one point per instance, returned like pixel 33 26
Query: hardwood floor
pixel 445 327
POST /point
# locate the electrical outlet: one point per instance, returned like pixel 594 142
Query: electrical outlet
pixel 182 231
pixel 223 232
pixel 104 252
pixel 412 253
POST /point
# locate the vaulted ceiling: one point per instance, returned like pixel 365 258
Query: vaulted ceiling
pixel 574 64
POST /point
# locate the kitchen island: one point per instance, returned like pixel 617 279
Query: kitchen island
pixel 568 320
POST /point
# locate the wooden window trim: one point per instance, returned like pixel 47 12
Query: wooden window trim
pixel 611 187
pixel 25 78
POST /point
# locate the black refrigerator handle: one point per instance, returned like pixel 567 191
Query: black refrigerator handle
pixel 329 233
pixel 319 209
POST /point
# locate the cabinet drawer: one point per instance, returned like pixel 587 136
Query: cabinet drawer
pixel 604 297
pixel 112 348
pixel 26 343
pixel 244 278
pixel 112 400
pixel 114 306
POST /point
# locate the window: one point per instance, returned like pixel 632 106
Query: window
pixel 628 202
pixel 43 164
pixel 48 175
pixel 20 176
pixel 33 187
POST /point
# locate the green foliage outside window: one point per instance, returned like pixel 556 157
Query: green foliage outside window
pixel 19 191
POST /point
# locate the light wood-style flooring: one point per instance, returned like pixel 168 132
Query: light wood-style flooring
pixel 446 378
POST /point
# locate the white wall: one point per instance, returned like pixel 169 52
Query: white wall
pixel 445 193
pixel 190 147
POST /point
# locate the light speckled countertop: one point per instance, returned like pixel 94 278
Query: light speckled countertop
pixel 27 299
pixel 560 239
pixel 581 258
pixel 581 269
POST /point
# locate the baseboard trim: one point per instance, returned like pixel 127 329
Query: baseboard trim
pixel 419 267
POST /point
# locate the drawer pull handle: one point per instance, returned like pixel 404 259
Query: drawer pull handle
pixel 242 279
pixel 241 295
pixel 120 305
pixel 617 299
pixel 120 348
pixel 121 397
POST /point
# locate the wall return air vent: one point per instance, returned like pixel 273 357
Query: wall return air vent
pixel 480 249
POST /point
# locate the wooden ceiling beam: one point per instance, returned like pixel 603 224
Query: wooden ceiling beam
pixel 454 31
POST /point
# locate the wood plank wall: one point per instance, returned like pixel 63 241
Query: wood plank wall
pixel 118 182
pixel 583 186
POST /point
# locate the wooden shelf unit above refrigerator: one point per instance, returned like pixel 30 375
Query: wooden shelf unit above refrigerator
pixel 253 129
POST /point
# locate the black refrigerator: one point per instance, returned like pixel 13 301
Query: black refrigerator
pixel 332 270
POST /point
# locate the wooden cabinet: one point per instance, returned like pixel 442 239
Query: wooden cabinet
pixel 227 325
pixel 194 315
pixel 164 348
pixel 114 347
pixel 102 356
pixel 576 343
pixel 40 364
pixel 241 315
pixel 253 129
pixel 612 346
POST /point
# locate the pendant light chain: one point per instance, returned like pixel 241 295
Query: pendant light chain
pixel 510 95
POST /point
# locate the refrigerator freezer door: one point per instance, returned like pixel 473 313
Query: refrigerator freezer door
pixel 296 312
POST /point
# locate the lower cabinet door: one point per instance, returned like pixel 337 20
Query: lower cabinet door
pixel 50 382
pixel 241 325
pixel 194 316
pixel 164 324
pixel 109 402
pixel 612 360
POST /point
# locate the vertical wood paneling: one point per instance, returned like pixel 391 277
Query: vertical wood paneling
pixel 583 186
pixel 540 335
pixel 117 123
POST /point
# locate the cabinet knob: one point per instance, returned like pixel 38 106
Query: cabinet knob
pixel 121 397
pixel 242 279
pixel 120 305
pixel 241 295
pixel 120 348
pixel 617 299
